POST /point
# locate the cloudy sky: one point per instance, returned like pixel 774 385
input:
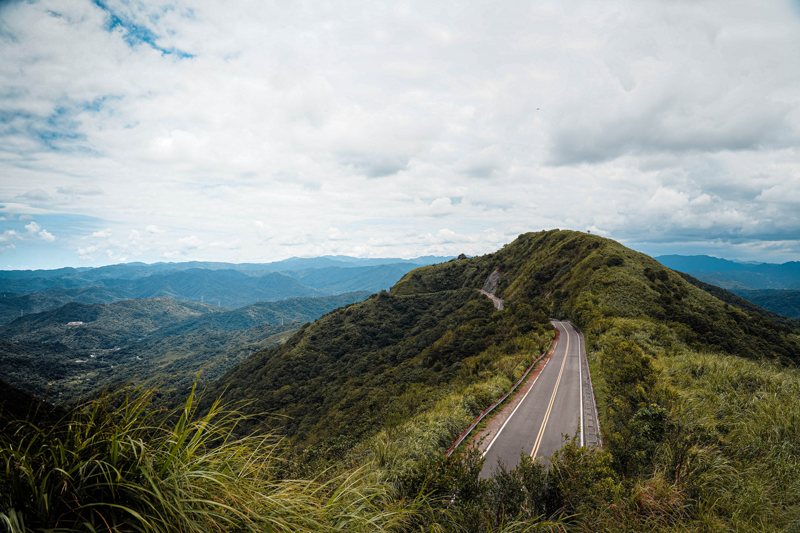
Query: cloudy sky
pixel 253 131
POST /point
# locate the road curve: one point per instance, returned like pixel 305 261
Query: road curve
pixel 554 406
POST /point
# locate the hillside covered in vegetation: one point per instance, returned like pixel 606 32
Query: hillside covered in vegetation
pixel 696 391
pixel 784 302
pixel 371 372
pixel 377 363
pixel 77 350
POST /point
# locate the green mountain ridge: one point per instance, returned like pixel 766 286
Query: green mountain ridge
pixel 395 378
pixel 435 316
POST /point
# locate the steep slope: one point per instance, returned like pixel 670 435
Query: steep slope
pixel 375 364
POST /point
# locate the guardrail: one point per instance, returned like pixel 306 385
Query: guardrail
pixel 464 434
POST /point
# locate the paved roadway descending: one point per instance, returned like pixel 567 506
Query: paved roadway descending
pixel 551 407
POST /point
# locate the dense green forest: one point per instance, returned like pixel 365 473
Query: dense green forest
pixel 696 391
pixel 159 342
pixel 784 302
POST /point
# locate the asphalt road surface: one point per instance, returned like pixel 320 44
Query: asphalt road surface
pixel 550 410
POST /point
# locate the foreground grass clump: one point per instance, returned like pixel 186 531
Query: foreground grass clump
pixel 118 463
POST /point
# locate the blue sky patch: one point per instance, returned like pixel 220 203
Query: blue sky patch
pixel 136 34
pixel 23 245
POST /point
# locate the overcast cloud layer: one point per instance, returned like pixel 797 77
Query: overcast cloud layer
pixel 254 131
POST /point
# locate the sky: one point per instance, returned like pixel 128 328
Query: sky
pixel 254 131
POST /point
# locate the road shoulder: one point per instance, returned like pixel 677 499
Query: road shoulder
pixel 482 438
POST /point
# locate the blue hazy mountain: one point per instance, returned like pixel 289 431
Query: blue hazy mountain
pixel 226 285
pixel 336 279
pixel 70 277
pixel 736 275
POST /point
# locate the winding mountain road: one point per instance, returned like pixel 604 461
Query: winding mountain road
pixel 559 402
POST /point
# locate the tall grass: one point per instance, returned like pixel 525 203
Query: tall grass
pixel 740 426
pixel 118 464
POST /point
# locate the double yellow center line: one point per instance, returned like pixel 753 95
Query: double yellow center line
pixel 539 437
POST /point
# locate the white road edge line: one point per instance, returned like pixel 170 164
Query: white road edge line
pixel 517 407
pixel 580 378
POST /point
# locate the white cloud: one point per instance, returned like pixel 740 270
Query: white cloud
pixel 9 235
pixel 190 243
pixel 33 227
pixel 667 200
pixel 335 234
pixel 79 191
pixel 87 252
pixel 390 123
pixel 36 195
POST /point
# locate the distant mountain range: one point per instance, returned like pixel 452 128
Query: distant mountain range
pixel 784 302
pixel 76 350
pixel 137 270
pixel 65 334
pixel 773 286
pixel 227 285
pixel 735 275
